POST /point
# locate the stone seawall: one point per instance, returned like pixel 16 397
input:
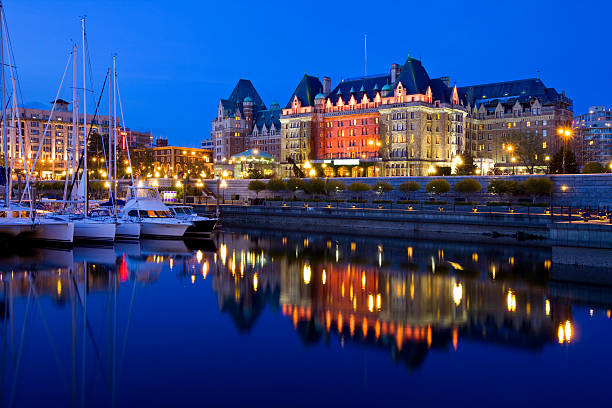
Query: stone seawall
pixel 480 227
pixel 577 190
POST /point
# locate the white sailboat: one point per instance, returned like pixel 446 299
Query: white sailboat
pixel 86 228
pixel 17 220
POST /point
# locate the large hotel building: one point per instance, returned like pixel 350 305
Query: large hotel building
pixel 400 123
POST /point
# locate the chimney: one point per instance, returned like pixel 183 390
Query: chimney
pixel 445 79
pixel 395 71
pixel 326 85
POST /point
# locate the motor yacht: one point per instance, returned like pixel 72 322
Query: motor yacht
pixel 202 225
pixel 145 207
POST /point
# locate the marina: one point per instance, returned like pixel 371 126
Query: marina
pixel 374 317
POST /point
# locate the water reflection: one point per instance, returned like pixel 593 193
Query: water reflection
pixel 385 294
pixel 74 311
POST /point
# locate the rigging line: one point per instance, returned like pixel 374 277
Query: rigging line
pixel 46 326
pixel 46 129
pixel 19 352
pixel 12 54
pixel 90 331
pixel 87 139
pixel 127 147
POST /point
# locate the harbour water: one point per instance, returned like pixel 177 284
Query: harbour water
pixel 264 318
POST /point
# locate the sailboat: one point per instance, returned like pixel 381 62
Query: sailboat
pixel 86 227
pixel 17 220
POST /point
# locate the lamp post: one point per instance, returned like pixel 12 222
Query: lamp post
pixel 565 134
pixel 510 149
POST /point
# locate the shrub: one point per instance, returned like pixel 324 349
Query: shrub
pixel 408 187
pixel 536 186
pixel 467 186
pixel 276 185
pixel 295 184
pixel 257 186
pixel 438 186
pixel 501 187
pixel 382 202
pixel 407 202
pixel 359 188
pixel 382 187
pixel 315 186
pixel 333 186
pixel 593 168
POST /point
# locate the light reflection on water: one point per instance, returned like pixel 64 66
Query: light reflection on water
pixel 96 326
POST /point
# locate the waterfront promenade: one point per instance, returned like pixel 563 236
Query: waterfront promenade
pixel 534 226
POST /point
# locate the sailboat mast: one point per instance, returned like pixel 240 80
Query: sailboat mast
pixel 75 114
pixel 85 179
pixel 110 139
pixel 4 135
pixel 114 79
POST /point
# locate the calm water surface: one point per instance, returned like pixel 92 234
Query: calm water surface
pixel 273 319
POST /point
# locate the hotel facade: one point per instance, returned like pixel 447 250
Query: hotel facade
pixel 400 123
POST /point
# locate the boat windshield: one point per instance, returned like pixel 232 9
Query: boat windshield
pixel 149 214
pixel 144 192
pixel 14 214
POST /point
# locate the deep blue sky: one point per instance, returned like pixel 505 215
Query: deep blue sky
pixel 177 58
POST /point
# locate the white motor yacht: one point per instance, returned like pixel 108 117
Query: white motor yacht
pixel 202 225
pixel 156 221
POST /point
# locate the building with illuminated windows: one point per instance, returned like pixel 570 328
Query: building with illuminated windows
pixel 499 111
pixel 54 144
pixel 395 124
pixel 172 162
pixel 593 134
pixel 244 122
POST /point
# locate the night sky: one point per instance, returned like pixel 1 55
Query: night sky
pixel 177 58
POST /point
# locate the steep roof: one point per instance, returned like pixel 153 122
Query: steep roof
pixel 306 91
pixel 413 77
pixel 268 117
pixel 371 85
pixel 509 92
pixel 243 89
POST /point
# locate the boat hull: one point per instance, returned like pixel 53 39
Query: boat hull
pixel 127 230
pixel 202 227
pixel 59 232
pixel 88 230
pixel 162 230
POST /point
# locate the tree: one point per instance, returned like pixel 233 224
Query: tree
pixel 528 148
pixel 556 164
pixel 500 187
pixel 382 187
pixel 467 166
pixel 536 186
pixel 257 186
pixel 333 186
pixel 437 186
pixel 255 174
pixel 409 187
pixel 276 185
pixel 467 186
pixel 359 188
pixel 295 184
pixel 593 168
pixel 142 162
pixel 315 186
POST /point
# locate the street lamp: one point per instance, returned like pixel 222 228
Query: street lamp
pixel 565 133
pixel 513 160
